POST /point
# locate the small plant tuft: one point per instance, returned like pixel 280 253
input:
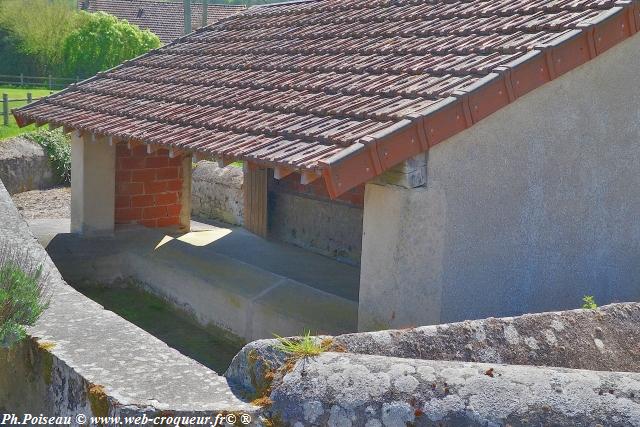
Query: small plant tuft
pixel 22 295
pixel 589 302
pixel 304 346
pixel 58 148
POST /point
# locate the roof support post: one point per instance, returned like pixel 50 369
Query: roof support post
pixel 255 199
pixel 205 12
pixel 93 175
pixel 185 193
pixel 187 16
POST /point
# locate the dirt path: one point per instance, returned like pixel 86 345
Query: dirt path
pixel 51 203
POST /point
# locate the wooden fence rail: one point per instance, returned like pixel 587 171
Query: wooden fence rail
pixel 5 105
pixel 49 81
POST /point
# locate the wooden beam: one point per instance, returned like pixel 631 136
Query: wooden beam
pixel 224 161
pixel 255 199
pixel 308 177
pixel 280 172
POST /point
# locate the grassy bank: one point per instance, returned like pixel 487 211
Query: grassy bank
pixel 18 93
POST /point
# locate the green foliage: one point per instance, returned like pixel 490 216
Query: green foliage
pixel 57 145
pixel 39 27
pixel 103 41
pixel 21 295
pixel 18 93
pixel 304 346
pixel 589 303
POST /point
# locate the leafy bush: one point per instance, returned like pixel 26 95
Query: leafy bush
pixel 589 302
pixel 57 145
pixel 22 295
pixel 103 41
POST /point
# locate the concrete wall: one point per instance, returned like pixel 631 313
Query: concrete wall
pixel 304 215
pixel 528 210
pixel 24 166
pixel 82 359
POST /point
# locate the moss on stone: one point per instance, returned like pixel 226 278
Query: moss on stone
pixel 98 400
pixel 45 348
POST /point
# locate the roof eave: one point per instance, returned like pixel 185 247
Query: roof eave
pixel 420 131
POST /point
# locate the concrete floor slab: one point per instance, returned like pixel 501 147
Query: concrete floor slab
pixel 223 276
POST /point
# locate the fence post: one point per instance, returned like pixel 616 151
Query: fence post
pixel 29 98
pixel 77 79
pixel 5 109
pixel 21 79
pixel 50 81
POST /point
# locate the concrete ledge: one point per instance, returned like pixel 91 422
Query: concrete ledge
pixel 224 277
pixel 81 358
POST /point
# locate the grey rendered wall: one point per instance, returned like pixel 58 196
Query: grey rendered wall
pixel 529 210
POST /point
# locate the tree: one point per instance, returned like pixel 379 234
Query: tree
pixel 39 27
pixel 103 41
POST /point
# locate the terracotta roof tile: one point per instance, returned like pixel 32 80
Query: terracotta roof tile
pixel 163 18
pixel 348 88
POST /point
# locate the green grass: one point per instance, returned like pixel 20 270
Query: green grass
pixel 304 346
pixel 18 93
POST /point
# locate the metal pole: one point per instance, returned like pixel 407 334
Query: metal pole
pixel 29 98
pixel 21 79
pixel 187 16
pixel 205 12
pixel 5 109
pixel 50 82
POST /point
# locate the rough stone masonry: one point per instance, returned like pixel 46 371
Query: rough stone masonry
pixel 468 373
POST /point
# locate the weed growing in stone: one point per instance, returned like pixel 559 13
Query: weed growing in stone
pixel 589 302
pixel 304 346
pixel 22 289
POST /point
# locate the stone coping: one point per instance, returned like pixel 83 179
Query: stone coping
pixel 468 373
pixel 94 349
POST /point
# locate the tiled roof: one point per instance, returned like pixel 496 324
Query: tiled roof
pixel 163 18
pixel 341 88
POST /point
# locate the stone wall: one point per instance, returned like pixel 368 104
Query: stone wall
pixel 24 166
pixel 302 215
pixel 305 216
pixel 474 373
pixel 216 193
pixel 82 359
pixel 528 210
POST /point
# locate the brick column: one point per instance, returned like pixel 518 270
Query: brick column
pixel 149 187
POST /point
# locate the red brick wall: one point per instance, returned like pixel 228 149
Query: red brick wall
pixel 317 190
pixel 148 187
